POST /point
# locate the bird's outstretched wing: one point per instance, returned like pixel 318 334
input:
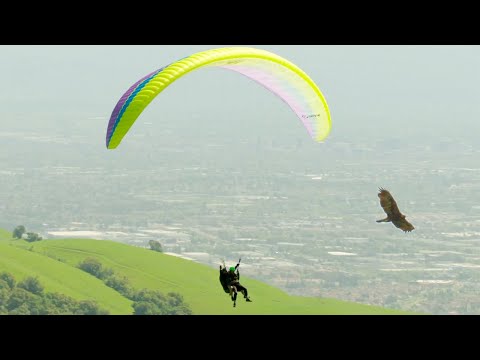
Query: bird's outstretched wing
pixel 389 205
pixel 403 224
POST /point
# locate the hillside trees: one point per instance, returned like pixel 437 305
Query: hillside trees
pixel 31 284
pixel 31 237
pixel 92 266
pixel 20 232
pixel 155 245
pixel 8 278
pixel 29 298
pixel 145 301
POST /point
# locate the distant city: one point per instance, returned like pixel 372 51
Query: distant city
pixel 301 215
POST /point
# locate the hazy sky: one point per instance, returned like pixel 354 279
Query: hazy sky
pixel 425 89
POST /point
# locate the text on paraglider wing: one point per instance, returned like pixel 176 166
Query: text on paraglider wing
pixel 310 116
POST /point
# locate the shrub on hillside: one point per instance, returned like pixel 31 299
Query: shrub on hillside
pixel 28 298
pixel 18 232
pixel 155 246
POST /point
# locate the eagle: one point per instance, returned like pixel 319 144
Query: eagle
pixel 394 215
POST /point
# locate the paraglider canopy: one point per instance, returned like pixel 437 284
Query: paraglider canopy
pixel 275 73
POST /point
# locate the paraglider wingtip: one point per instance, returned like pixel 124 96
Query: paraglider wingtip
pixel 111 146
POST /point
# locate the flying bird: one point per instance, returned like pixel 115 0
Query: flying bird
pixel 394 215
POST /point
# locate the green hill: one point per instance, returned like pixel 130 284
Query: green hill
pixel 61 278
pixel 4 234
pixel 55 261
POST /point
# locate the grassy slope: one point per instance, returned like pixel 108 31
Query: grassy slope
pixel 59 277
pixel 4 234
pixel 198 283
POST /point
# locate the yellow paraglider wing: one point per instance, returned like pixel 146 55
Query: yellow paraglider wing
pixel 275 73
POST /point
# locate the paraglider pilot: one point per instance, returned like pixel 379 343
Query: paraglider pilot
pixel 230 281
